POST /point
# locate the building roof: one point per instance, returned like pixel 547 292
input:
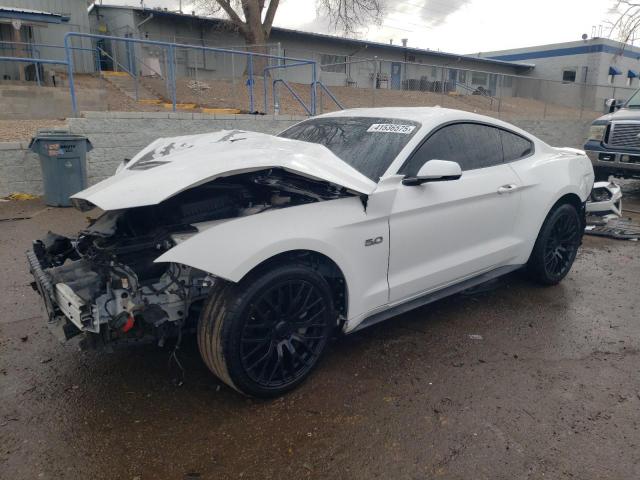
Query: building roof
pixel 579 47
pixel 366 43
pixel 28 15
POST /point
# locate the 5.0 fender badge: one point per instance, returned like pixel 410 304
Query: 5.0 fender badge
pixel 372 241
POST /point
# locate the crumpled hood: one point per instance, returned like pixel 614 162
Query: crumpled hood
pixel 169 166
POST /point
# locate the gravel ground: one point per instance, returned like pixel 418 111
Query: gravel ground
pixel 20 130
pixel 509 381
pixel 228 94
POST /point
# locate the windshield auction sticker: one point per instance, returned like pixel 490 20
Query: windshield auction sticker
pixel 391 128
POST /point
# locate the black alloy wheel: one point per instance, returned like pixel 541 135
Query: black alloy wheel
pixel 562 244
pixel 283 335
pixel 557 245
pixel 264 335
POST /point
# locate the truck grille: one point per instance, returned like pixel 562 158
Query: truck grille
pixel 625 135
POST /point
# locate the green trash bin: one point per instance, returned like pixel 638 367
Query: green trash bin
pixel 63 158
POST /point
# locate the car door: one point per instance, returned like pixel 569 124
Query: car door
pixel 444 232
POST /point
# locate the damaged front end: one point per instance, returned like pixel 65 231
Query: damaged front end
pixel 105 284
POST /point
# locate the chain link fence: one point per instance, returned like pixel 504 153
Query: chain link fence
pixel 203 77
pixel 154 73
pixel 371 82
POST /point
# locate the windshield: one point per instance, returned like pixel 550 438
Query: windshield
pixel 368 144
pixel 634 101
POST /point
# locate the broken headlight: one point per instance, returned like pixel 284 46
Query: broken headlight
pixel 82 205
pixel 600 195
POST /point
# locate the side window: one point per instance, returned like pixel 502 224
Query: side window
pixel 514 146
pixel 471 145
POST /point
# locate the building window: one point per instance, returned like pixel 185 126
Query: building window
pixel 478 78
pixel 569 76
pixel 411 58
pixel 613 73
pixel 333 63
pixel 462 76
pixel 507 81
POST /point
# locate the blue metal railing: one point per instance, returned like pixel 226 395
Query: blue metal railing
pixel 172 60
pixel 331 96
pixel 34 49
pixel 264 83
pixel 293 92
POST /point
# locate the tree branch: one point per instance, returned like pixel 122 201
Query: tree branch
pixel 228 9
pixel 268 19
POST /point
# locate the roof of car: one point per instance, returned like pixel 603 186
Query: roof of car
pixel 418 114
pixel 429 117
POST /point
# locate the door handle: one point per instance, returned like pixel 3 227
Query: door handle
pixel 507 188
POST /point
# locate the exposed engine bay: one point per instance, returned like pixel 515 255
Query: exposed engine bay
pixel 104 282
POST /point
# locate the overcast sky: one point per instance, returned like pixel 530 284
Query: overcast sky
pixel 458 26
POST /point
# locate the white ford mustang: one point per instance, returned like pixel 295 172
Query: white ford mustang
pixel 265 244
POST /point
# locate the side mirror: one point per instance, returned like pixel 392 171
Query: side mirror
pixel 435 171
pixel 613 104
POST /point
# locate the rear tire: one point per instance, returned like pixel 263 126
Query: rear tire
pixel 266 334
pixel 556 246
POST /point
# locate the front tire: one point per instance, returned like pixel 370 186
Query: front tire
pixel 556 246
pixel 265 335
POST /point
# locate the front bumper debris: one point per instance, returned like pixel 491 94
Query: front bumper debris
pixel 605 198
pixel 57 322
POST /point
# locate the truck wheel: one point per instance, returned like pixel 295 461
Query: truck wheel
pixel 264 335
pixel 601 174
pixel 556 246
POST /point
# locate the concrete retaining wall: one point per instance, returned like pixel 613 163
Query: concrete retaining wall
pixel 28 102
pixel 19 169
pixel 119 135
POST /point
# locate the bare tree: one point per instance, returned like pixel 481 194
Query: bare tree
pixel 254 18
pixel 627 20
pixel 349 16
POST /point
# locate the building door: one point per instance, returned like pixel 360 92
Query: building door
pixel 396 75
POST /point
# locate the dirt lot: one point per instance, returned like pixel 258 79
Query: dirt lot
pixel 551 390
pixel 22 130
pixel 229 94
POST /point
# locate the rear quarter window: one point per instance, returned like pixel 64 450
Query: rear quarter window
pixel 514 146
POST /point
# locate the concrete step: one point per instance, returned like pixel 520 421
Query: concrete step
pixel 127 85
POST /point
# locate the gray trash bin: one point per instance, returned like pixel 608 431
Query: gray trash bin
pixel 63 158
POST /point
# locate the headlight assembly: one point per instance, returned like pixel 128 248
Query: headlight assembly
pixel 596 132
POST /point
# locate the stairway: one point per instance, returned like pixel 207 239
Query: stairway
pixel 127 85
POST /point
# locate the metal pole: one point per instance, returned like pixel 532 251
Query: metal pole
pixel 165 70
pixel 234 83
pixel 72 87
pixel 172 75
pixel 313 88
pixel 442 84
pixel 265 92
pixel 544 112
pixel 115 55
pixel 375 75
pixel 250 83
pixel 500 83
pixel 133 69
pixel 36 66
